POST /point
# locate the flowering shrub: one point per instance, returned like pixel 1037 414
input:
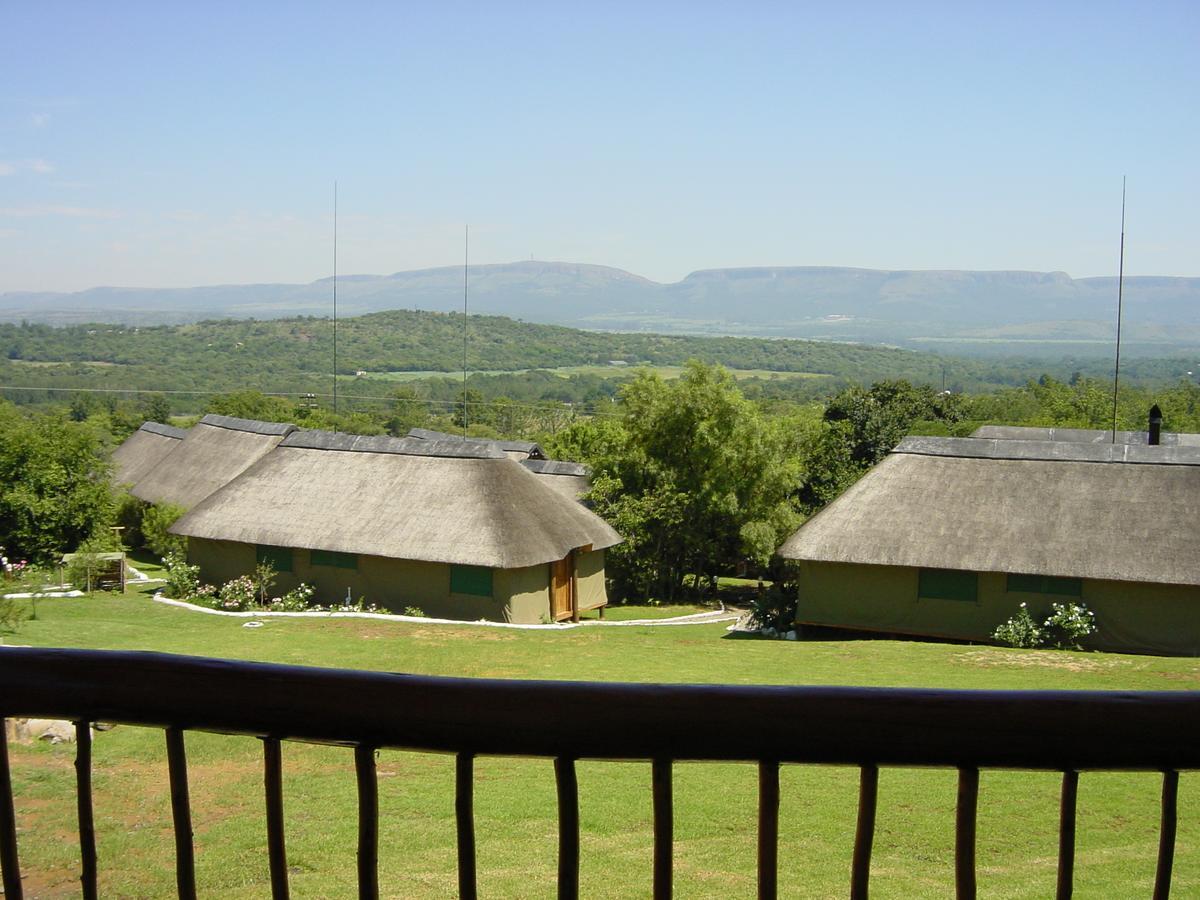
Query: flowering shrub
pixel 239 594
pixel 183 581
pixel 1019 631
pixel 1069 624
pixel 295 600
pixel 1066 626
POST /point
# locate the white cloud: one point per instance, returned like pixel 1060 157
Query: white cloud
pixel 71 212
pixel 36 166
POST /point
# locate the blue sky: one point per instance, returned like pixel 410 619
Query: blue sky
pixel 166 144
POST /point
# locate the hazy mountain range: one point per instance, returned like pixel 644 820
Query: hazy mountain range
pixel 944 309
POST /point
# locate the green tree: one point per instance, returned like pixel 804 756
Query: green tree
pixel 252 405
pixel 698 482
pixel 157 408
pixel 54 479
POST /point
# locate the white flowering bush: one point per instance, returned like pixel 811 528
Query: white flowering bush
pixel 295 600
pixel 1069 624
pixel 1064 628
pixel 183 581
pixel 1020 631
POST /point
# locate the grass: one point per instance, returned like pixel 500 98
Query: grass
pixel 515 805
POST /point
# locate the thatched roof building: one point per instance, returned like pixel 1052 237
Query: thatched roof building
pixel 1080 435
pixel 211 454
pixel 512 449
pixel 402 520
pixel 946 536
pixel 571 479
pixel 143 450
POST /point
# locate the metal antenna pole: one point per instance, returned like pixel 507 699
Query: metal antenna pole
pixel 335 405
pixel 1120 301
pixel 466 269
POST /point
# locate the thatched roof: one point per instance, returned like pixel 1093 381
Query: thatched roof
pixel 142 450
pixel 1080 435
pixel 570 479
pixel 484 510
pixel 213 453
pixel 514 449
pixel 1000 507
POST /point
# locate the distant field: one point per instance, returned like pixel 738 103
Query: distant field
pixel 715 804
pixel 40 364
pixel 602 371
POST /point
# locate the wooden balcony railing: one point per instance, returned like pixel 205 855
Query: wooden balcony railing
pixel 1066 731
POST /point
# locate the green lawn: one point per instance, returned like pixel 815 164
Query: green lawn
pixel 515 806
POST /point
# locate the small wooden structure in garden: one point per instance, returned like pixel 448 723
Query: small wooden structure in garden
pixel 105 571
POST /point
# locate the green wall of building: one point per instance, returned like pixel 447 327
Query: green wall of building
pixel 1131 617
pixel 518 595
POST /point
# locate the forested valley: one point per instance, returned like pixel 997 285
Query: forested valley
pixel 705 452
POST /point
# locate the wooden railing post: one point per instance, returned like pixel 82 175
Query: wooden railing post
pixel 864 833
pixel 1066 835
pixel 83 802
pixel 9 860
pixel 1166 836
pixel 768 829
pixel 964 833
pixel 664 828
pixel 368 822
pixel 568 828
pixel 464 814
pixel 276 842
pixel 181 814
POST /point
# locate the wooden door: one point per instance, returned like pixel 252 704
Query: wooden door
pixel 561 593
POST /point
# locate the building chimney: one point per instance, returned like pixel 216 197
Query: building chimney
pixel 1155 426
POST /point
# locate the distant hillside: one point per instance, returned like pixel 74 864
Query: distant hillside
pixel 973 311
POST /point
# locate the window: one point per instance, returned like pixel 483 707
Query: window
pixel 332 558
pixel 279 557
pixel 1044 584
pixel 476 580
pixel 948 584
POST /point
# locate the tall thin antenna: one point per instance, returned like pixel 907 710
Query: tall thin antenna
pixel 335 297
pixel 466 269
pixel 1120 300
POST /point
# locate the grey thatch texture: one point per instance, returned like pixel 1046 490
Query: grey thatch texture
pixel 143 450
pixel 982 448
pixel 213 453
pixel 554 467
pixel 514 449
pixel 164 430
pixel 252 426
pixel 1080 435
pixel 485 512
pixel 362 443
pixel 1068 518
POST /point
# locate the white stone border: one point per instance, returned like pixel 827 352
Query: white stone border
pixel 690 619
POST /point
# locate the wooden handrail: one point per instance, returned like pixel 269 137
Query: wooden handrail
pixel 1058 730
pixel 1066 731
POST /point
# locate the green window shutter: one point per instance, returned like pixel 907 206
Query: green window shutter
pixel 948 584
pixel 1064 587
pixel 1023 584
pixel 1044 584
pixel 332 558
pixel 279 557
pixel 476 580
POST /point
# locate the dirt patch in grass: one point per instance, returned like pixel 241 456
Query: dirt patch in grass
pixel 1043 659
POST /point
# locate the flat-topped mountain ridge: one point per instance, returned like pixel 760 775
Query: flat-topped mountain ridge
pixel 804 301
